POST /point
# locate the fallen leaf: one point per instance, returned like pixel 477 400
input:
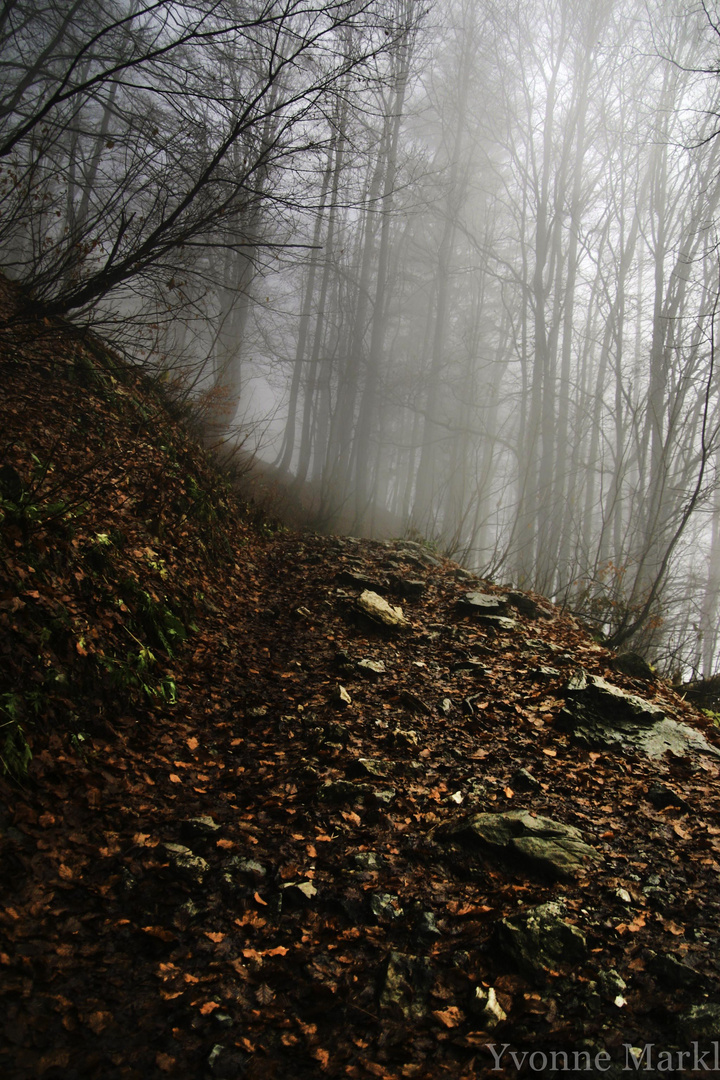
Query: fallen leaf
pixel 174 778
pixel 450 1017
pixel 258 899
pixel 214 936
pixel 208 1007
pixel 192 743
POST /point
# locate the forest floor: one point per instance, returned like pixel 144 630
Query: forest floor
pixel 233 852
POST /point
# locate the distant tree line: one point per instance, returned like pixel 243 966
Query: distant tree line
pixel 471 245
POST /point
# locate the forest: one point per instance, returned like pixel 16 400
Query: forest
pixel 449 268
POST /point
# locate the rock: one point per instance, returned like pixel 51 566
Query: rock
pixel 661 796
pixel 371 668
pixel 361 767
pixel 404 738
pixel 478 603
pixel 385 908
pixel 199 828
pixel 446 706
pixel 240 869
pixel 672 973
pixel 632 664
pixel 404 984
pixel 498 622
pixel 601 714
pixel 611 985
pixel 360 581
pixel 297 893
pixel 367 861
pixel 414 703
pixel 340 697
pixel 343 791
pixel 410 588
pixel 527 606
pixel 546 674
pixel 539 940
pixel 539 843
pixel 188 865
pixel 523 780
pixel 384 795
pixel 378 609
pixel 700 1022
pixel 486 1007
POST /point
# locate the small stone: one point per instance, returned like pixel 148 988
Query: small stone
pixel 446 706
pixel 634 665
pixel 189 865
pixel 371 668
pixel 340 697
pixel 365 767
pixel 199 828
pixel 385 908
pixel 378 609
pixel 487 1008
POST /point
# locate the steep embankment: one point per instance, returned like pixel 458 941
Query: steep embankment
pixel 271 828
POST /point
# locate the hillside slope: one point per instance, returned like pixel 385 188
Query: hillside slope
pixel 273 828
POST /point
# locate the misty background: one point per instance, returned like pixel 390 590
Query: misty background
pixel 449 269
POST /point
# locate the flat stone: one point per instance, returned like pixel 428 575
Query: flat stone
pixel 539 940
pixel 371 668
pixel 539 843
pixel 479 603
pixel 378 609
pixel 189 865
pixel 404 985
pixel 601 714
pixel 362 767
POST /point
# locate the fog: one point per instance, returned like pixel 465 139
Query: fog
pixel 450 268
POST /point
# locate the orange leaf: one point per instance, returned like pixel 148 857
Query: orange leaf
pixel 225 844
pixel 280 950
pixel 548 752
pixel 311 850
pixel 192 743
pixel 450 1017
pixel 216 937
pixel 351 816
pixel 258 899
pixel 322 1056
pixel 509 793
pixel 174 778
pixel 209 1007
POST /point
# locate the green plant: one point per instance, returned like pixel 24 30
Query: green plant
pixel 15 753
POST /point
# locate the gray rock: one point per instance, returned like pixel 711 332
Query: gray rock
pixel 673 974
pixel 661 796
pixel 539 940
pixel 478 603
pixel 361 767
pixel 185 863
pixel 523 780
pixel 539 843
pixel 366 861
pixel 600 714
pixel 199 828
pixel 378 610
pixel 384 907
pixel 371 668
pixel 404 985
pixel 344 791
pixel 634 665
pixel 246 869
pixel 410 588
pixel 700 1022
pixel 340 697
pixel 486 1007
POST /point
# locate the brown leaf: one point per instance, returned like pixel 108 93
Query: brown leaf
pixel 165 1062
pixel 450 1017
pixel 217 937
